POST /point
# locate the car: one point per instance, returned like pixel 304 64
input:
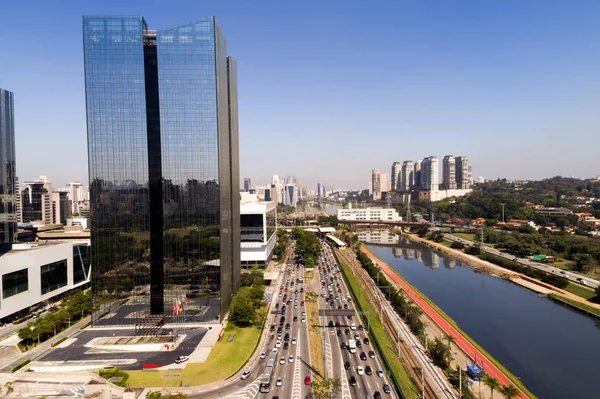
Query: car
pixel 353 326
pixel 358 344
pixel 287 326
pixel 286 345
pixel 372 354
pixel 363 356
pixel 302 303
pixel 368 370
pixel 303 320
pixel 307 380
pixel 343 345
pixel 286 337
pixel 294 341
pixel 263 354
pixel 360 327
pixel 352 381
pixel 278 344
pixel 347 365
pixel 295 318
pixel 246 374
pixel 379 373
pixel 330 323
pixel 282 360
pixel 345 305
pixel 182 359
pixel 386 388
pixel 337 324
pixel 377 395
pixel 291 359
pixel 303 314
pixel 366 341
pixel 563 272
pixel 279 381
pixel 360 370
pixel 347 331
pixel 357 337
pixel 339 333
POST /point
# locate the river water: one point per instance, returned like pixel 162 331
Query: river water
pixel 555 351
pixel 330 209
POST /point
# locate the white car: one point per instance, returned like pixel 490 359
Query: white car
pixel 246 374
pixel 282 360
pixel 353 326
pixel 380 373
pixel 275 350
pixel 278 344
pixel 360 370
pixel 279 381
pixel 291 359
pixel 293 341
pixel 303 320
pixel 182 359
pixel 263 354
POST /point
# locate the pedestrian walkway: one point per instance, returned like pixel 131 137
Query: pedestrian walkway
pixel 459 339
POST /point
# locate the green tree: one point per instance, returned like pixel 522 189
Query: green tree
pixel 509 391
pixel 492 383
pixel 308 247
pixel 326 388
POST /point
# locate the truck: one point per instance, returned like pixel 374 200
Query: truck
pixel 352 346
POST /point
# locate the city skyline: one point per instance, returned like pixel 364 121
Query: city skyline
pixel 497 83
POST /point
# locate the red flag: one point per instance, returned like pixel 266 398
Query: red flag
pixel 185 298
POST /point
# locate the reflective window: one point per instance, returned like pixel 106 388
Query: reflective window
pixel 14 283
pixel 8 199
pixel 53 276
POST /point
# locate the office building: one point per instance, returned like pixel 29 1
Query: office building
pixel 407 176
pixel 78 195
pixel 396 169
pixel 61 207
pixel 386 186
pixel 319 190
pixel 417 175
pixel 8 178
pixel 290 195
pixel 449 173
pixel 36 201
pixel 464 173
pixel 257 230
pixel 247 184
pixel 430 174
pixel 376 184
pixel 32 273
pixel 276 184
pixel 164 169
pixel 369 215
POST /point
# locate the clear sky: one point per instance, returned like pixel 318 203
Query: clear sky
pixel 329 90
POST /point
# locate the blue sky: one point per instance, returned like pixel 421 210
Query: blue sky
pixel 329 90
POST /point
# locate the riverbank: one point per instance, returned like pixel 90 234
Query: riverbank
pixel 564 297
pixel 492 366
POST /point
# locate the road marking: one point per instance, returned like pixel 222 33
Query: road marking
pixel 250 391
pixel 296 386
pixel 345 385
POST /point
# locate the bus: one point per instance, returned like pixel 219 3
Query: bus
pixel 267 377
pixel 352 346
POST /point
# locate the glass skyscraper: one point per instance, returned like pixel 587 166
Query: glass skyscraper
pixel 164 170
pixel 8 194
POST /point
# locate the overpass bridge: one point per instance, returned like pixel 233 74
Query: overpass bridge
pixel 394 223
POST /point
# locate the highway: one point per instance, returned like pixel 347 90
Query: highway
pixel 340 363
pixel 575 278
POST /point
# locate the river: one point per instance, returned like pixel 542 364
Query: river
pixel 331 209
pixel 554 350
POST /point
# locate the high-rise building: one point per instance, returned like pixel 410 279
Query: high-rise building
pixel 319 190
pixel 247 184
pixel 430 174
pixel 376 184
pixel 36 201
pixel 417 175
pixel 385 183
pixel 463 179
pixel 8 193
pixel 449 173
pixel 290 195
pixel 77 195
pixel 276 183
pixel 61 207
pixel 407 176
pixel 163 168
pixel 396 178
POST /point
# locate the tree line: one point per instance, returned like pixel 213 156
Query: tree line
pixel 247 305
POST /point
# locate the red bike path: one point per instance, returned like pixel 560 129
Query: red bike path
pixel 459 339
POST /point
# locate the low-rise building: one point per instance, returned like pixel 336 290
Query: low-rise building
pixel 369 215
pixel 32 273
pixel 257 230
pixel 551 211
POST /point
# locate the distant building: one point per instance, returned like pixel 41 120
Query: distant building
pixel 78 195
pixel 553 211
pixel 464 178
pixel 376 184
pixel 396 170
pixel 276 184
pixel 290 195
pixel 386 186
pixel 369 214
pixel 257 226
pixel 449 173
pixel 417 175
pixel 407 176
pixel 438 195
pixel 8 178
pixel 61 207
pixel 36 201
pixel 247 184
pixel 430 174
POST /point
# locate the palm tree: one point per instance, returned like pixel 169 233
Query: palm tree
pixel 492 383
pixel 509 391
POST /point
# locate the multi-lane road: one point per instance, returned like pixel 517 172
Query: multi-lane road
pixel 575 278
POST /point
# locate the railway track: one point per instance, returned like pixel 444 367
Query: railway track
pixel 431 383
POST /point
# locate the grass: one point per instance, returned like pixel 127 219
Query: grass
pixel 575 304
pixel 517 382
pixel 398 369
pixel 447 243
pixel 314 335
pixel 578 290
pixel 466 236
pixel 225 359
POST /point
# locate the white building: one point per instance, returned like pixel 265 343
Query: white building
pixel 406 177
pixel 33 273
pixel 257 230
pixel 449 173
pixel 386 186
pixel 376 184
pixel 438 195
pixel 464 174
pixel 369 215
pixel 430 174
pixel 396 168
pixel 290 195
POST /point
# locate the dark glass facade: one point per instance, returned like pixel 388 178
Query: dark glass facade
pixel 14 283
pixel 53 276
pixel 34 198
pixel 81 263
pixel 8 198
pixel 164 173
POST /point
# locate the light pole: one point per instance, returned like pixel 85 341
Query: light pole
pixel 503 211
